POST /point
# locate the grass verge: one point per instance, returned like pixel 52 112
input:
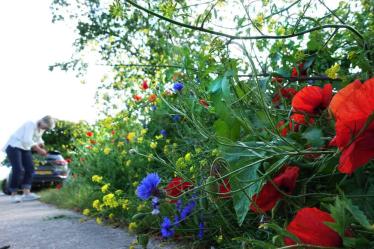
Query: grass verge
pixel 75 194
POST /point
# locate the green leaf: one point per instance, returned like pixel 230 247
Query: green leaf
pixel 282 72
pixel 358 215
pixel 309 61
pixel 244 181
pixel 355 242
pixel 313 136
pixel 281 231
pixel 338 212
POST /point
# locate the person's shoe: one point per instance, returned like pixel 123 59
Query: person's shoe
pixel 15 199
pixel 30 197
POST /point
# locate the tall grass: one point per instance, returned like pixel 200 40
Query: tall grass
pixel 75 194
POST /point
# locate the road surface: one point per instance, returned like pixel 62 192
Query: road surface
pixel 34 225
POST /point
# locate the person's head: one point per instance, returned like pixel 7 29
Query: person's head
pixel 46 123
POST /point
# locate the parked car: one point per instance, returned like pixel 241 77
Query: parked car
pixel 49 171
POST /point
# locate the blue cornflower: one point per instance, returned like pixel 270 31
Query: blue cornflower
pixel 176 118
pixel 167 228
pixel 153 107
pixel 178 205
pixel 178 86
pixel 187 210
pixel 155 206
pixel 148 186
pixel 176 221
pixel 163 133
pixel 200 235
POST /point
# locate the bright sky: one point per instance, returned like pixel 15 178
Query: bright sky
pixel 29 43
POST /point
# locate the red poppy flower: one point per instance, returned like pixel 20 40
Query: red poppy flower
pixel 176 186
pixel 225 189
pixel 302 71
pixel 137 97
pixel 152 97
pixel 286 93
pixel 282 128
pixel 266 199
pixel 89 133
pixel 68 160
pixel 113 132
pixel 298 119
pixel 204 103
pixel 309 226
pixel 144 85
pixel 312 99
pixel 351 107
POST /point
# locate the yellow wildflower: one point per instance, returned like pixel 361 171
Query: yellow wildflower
pixel 125 204
pixel 187 157
pixel 132 227
pixel 119 192
pixel 158 137
pixel 110 200
pixel 180 163
pixel 143 132
pixel 86 212
pixel 99 220
pixel 131 136
pixel 107 151
pixel 105 188
pixel 97 179
pixel 120 144
pixel 153 145
pixel 332 72
pixel 111 216
pixel 96 204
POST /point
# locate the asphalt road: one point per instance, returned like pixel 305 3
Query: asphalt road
pixel 34 225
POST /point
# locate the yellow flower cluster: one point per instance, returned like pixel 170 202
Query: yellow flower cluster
pixel 99 220
pixel 132 227
pixel 107 151
pixel 86 212
pixel 96 205
pixel 153 145
pixel 109 200
pixel 332 72
pixel 97 179
pixel 105 188
pixel 187 157
pixel 131 136
pixel 125 204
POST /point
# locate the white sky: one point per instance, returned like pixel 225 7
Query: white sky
pixel 29 43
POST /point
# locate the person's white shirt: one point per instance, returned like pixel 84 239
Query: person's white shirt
pixel 26 136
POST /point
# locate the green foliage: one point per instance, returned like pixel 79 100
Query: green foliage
pixel 230 122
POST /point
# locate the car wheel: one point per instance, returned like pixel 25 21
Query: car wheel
pixel 4 187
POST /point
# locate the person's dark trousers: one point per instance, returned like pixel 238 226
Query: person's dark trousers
pixel 22 164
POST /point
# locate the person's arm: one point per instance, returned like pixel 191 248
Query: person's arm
pixel 39 150
pixel 27 140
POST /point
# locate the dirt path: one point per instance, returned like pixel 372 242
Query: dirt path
pixel 34 225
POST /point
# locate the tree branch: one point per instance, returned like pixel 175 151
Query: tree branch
pixel 235 37
pixel 318 77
